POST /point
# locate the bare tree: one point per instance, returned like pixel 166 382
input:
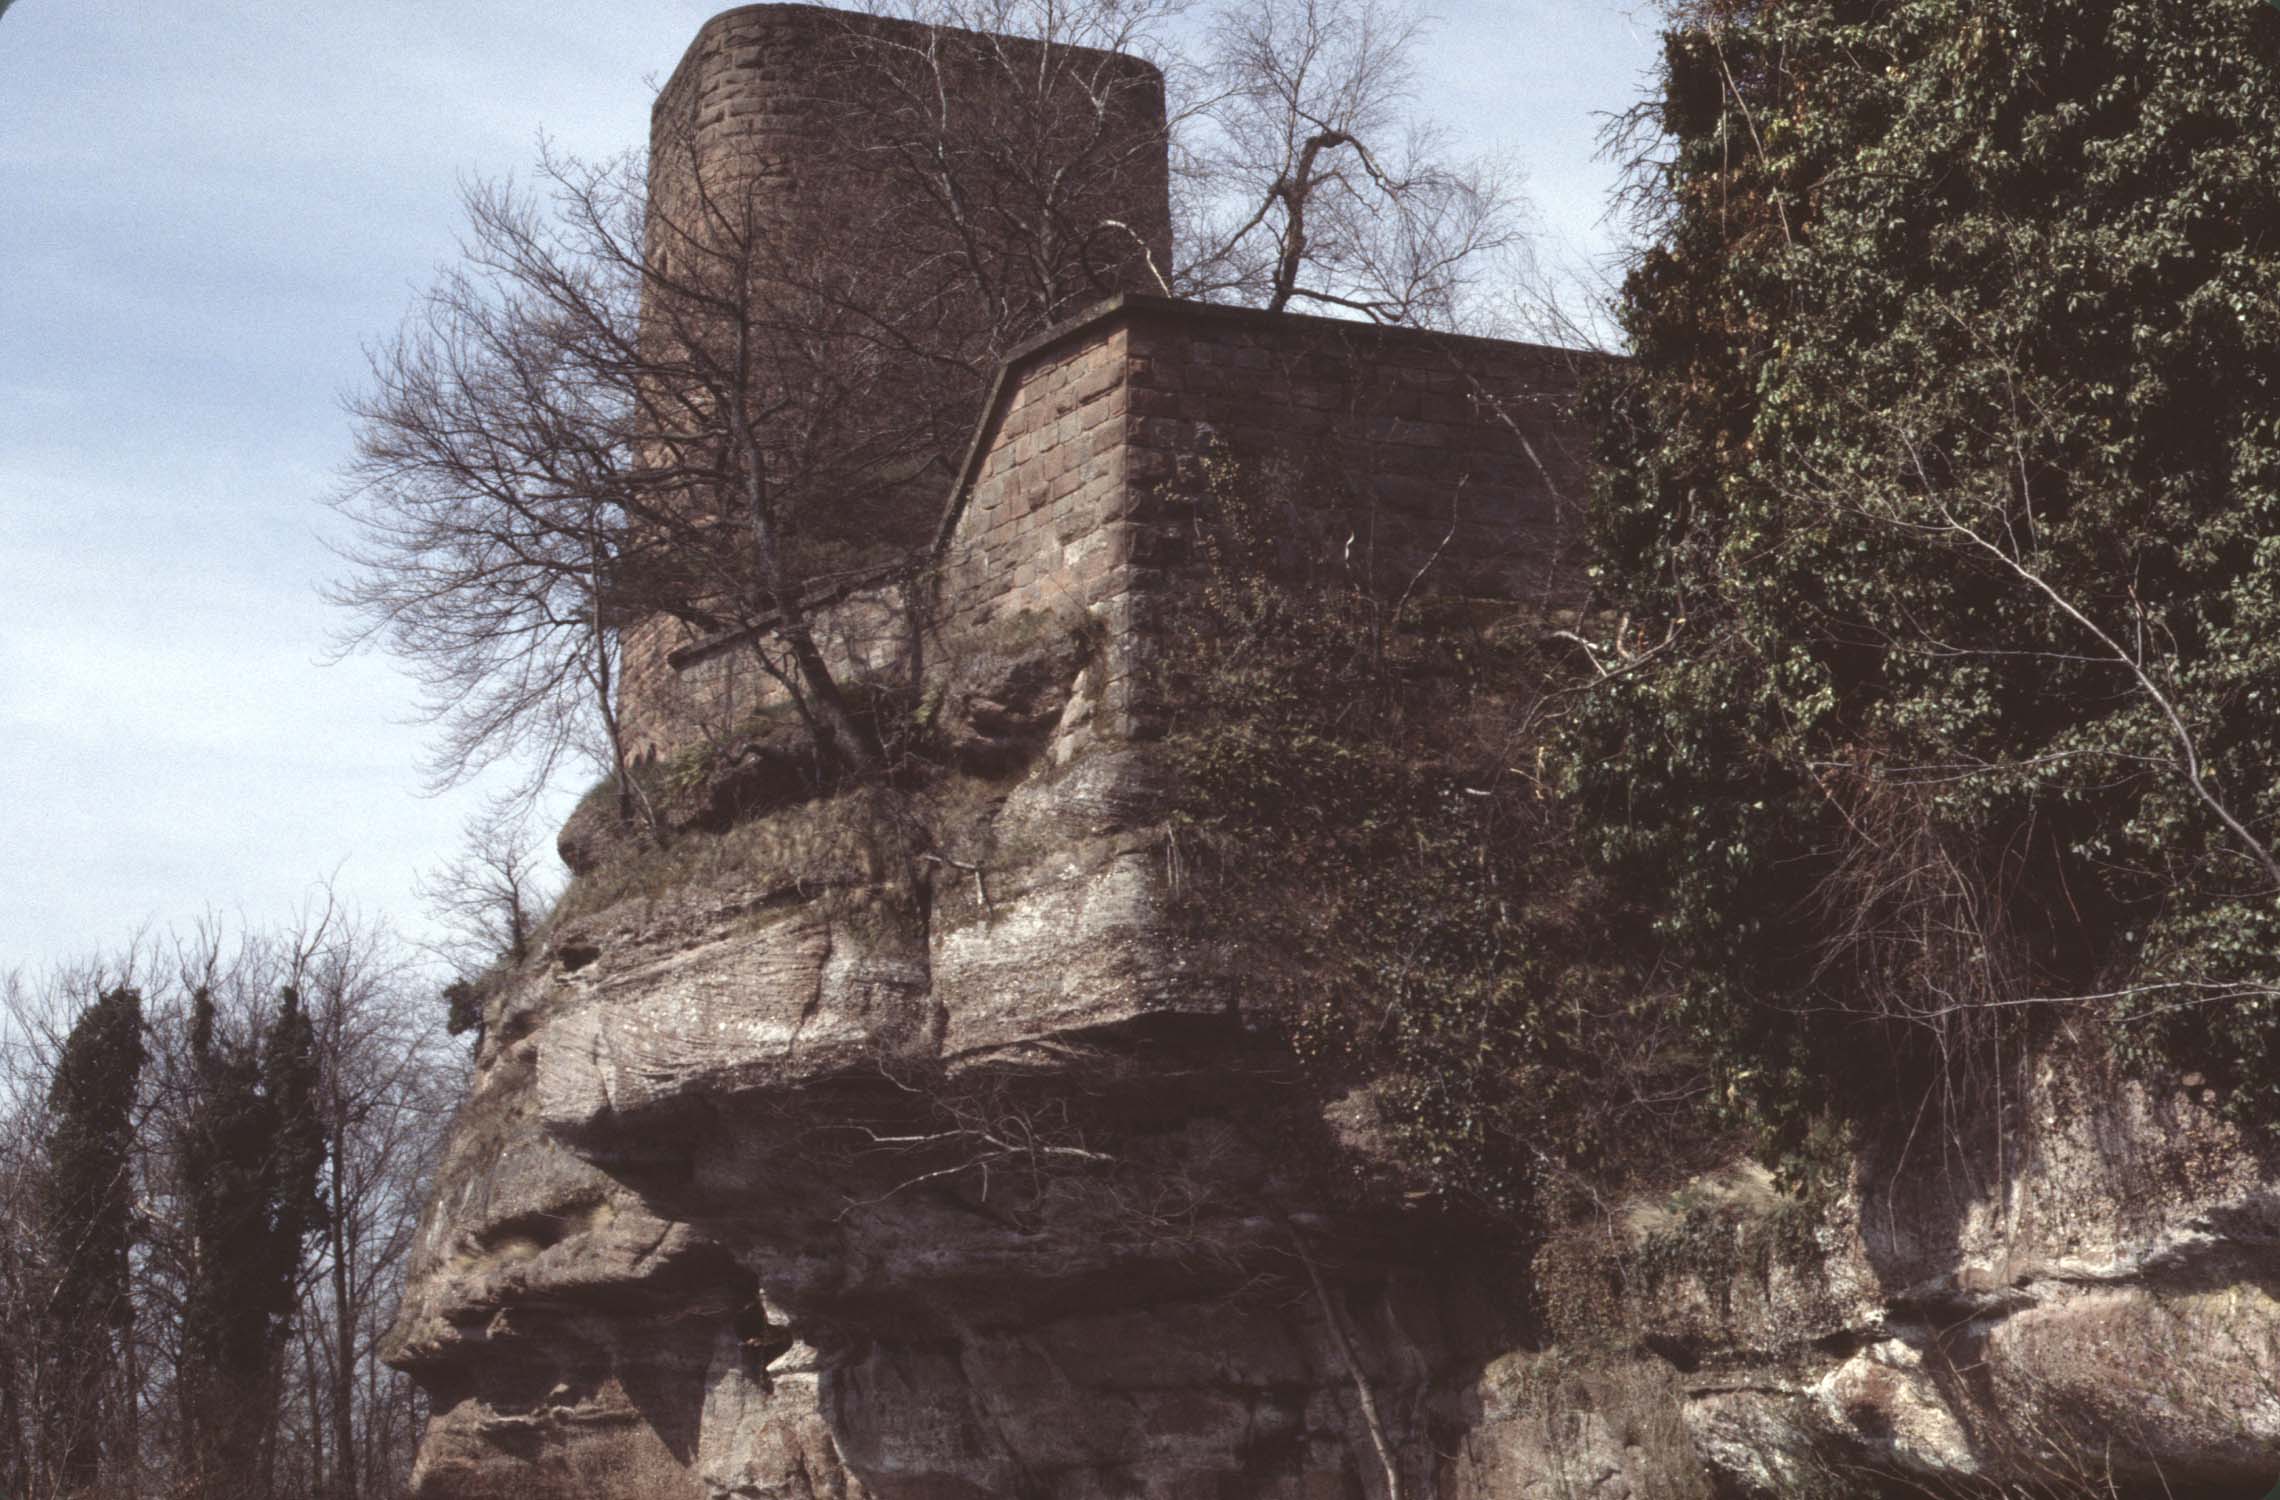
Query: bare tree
pixel 490 896
pixel 637 396
pixel 386 1093
pixel 601 416
pixel 1313 178
pixel 1026 142
pixel 332 1421
pixel 27 1369
pixel 641 397
pixel 385 1081
pixel 486 495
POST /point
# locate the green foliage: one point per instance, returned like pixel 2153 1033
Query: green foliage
pixel 462 1006
pixel 251 1150
pixel 90 1146
pixel 1357 811
pixel 1717 1244
pixel 1949 299
pixel 87 1197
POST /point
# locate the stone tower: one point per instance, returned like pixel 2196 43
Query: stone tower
pixel 790 99
pixel 934 198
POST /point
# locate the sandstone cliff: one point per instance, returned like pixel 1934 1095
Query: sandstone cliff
pixel 786 1174
pixel 941 1139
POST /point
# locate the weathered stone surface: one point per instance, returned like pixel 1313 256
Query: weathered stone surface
pixel 697 1235
pixel 1543 1426
pixel 770 1002
pixel 593 834
pixel 801 1179
pixel 1887 1401
pixel 2088 1299
pixel 866 1165
pixel 875 1150
pixel 762 1434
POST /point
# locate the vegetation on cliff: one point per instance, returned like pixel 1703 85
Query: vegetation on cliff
pixel 1946 478
pixel 1931 694
pixel 1360 809
pixel 1930 697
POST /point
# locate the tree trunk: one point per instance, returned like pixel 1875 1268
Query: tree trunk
pixel 313 1389
pixel 344 1329
pixel 856 750
pixel 15 1462
pixel 130 1403
pixel 1294 190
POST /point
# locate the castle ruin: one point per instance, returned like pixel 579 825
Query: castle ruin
pixel 1066 485
pixel 951 1139
pixel 676 1247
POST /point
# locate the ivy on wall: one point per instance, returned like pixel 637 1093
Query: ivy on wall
pixel 1359 809
pixel 1950 466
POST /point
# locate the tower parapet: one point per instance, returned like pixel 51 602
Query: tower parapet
pixel 789 98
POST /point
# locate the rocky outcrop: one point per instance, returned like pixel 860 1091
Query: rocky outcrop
pixel 787 1173
pixel 2082 1302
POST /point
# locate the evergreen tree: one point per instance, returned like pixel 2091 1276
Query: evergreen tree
pixel 1949 475
pixel 87 1224
pixel 251 1150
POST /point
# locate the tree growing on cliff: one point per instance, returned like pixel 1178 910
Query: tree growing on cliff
pixel 640 398
pixel 486 496
pixel 636 399
pixel 608 415
pixel 489 899
pixel 1949 469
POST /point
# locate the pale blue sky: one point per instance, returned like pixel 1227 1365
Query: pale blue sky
pixel 205 211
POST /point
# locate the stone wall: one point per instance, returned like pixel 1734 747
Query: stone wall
pixel 680 690
pixel 1384 449
pixel 822 123
pixel 774 97
pixel 918 1143
pixel 1386 452
pixel 1383 453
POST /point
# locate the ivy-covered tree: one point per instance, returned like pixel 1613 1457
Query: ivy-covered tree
pixel 251 1150
pixel 87 1228
pixel 1948 481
